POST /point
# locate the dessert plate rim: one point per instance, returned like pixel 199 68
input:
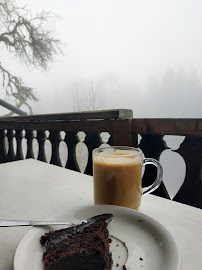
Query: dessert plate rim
pixel 150 245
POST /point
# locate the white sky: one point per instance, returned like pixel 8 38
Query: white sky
pixel 122 46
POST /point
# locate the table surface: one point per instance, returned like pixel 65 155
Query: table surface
pixel 30 189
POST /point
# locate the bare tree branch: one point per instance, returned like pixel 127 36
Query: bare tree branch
pixel 30 39
pixel 87 99
pixel 15 88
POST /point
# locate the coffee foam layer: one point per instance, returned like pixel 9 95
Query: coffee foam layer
pixel 117 159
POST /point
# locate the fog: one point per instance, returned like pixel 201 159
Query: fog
pixel 139 54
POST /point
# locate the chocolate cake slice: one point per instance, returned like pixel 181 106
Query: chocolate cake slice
pixel 81 247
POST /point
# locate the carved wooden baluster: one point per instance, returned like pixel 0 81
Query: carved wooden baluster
pixel 11 154
pixel 55 140
pixel 92 141
pixel 191 190
pixel 71 141
pixel 41 137
pixel 152 146
pixel 2 146
pixel 19 153
pixel 29 136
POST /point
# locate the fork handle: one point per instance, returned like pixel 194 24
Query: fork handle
pixel 13 223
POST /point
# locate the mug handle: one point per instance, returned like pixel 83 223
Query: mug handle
pixel 159 178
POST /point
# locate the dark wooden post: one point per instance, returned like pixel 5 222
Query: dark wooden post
pixel 152 147
pixel 11 154
pixel 191 190
pixel 55 139
pixel 122 133
pixel 2 146
pixel 41 137
pixel 29 136
pixel 71 141
pixel 92 141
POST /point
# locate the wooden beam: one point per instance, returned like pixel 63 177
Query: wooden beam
pixel 163 126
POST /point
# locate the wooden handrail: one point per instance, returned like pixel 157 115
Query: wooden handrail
pixel 168 126
pixel 160 126
pixel 72 116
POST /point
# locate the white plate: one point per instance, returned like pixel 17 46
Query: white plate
pixel 138 241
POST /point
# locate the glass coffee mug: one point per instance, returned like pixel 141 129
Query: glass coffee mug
pixel 117 176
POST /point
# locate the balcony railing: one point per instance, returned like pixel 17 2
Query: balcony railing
pixel 18 135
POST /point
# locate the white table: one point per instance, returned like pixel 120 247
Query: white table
pixel 31 189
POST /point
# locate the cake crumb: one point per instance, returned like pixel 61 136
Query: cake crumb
pixel 141 259
pixel 117 265
pixel 124 267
